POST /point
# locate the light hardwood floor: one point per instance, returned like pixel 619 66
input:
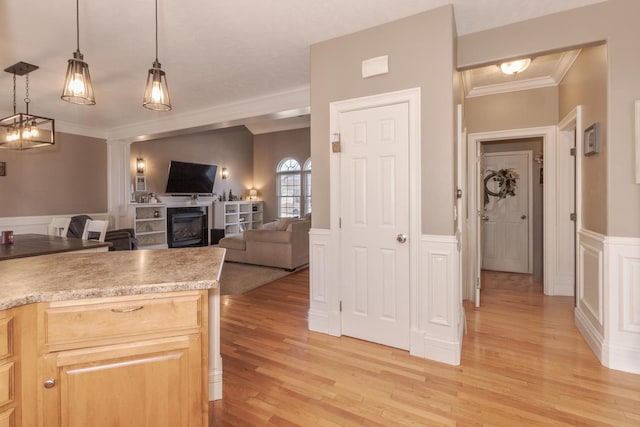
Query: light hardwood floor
pixel 523 363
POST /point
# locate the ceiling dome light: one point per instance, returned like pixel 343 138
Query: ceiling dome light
pixel 515 67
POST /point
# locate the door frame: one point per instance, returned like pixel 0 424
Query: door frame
pixel 548 135
pixel 412 98
pixel 529 156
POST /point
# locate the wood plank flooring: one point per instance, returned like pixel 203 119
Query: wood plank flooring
pixel 523 363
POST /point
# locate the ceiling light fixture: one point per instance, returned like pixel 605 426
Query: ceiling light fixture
pixel 156 94
pixel 515 67
pixel 22 131
pixel 77 84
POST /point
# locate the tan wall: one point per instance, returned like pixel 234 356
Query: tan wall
pixel 67 178
pixel 616 22
pixel 513 110
pixel 268 150
pixel 421 54
pixel 231 148
pixel 586 84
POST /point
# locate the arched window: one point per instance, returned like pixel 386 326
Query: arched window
pixel 289 187
pixel 306 187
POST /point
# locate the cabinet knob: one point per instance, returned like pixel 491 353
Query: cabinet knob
pixel 50 383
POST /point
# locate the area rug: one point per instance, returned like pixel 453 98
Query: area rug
pixel 239 278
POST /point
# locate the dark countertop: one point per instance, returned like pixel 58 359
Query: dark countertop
pixel 27 245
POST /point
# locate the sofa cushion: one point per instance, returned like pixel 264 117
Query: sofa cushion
pixel 269 225
pixel 237 243
pixel 268 236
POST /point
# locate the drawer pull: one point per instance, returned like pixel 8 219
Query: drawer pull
pixel 127 309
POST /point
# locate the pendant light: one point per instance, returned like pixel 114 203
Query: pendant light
pixel 77 84
pixel 22 131
pixel 156 94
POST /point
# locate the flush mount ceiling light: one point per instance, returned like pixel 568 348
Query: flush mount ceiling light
pixel 22 131
pixel 77 84
pixel 156 94
pixel 515 67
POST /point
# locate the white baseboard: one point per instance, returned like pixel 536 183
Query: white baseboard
pixel 215 384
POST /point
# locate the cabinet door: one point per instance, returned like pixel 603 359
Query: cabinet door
pixel 150 383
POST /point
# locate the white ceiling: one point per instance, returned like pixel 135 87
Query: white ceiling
pixel 215 52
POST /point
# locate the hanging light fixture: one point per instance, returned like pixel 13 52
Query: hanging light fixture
pixel 22 131
pixel 77 84
pixel 156 94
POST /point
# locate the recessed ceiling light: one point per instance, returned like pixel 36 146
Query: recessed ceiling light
pixel 515 67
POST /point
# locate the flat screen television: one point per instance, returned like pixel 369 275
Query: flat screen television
pixel 190 178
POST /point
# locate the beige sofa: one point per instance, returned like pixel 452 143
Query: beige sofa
pixel 283 244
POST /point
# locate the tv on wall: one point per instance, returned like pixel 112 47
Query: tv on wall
pixel 190 178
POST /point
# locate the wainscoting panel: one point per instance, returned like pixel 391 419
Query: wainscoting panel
pixel 590 284
pixel 621 349
pixel 40 224
pixel 439 304
pixel 323 315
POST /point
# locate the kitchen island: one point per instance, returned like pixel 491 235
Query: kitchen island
pixel 121 337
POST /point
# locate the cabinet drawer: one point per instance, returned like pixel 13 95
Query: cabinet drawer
pixel 6 383
pixel 76 324
pixel 5 337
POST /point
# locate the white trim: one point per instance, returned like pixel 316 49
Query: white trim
pixel 548 134
pixel 324 300
pixel 412 98
pixel 292 100
pixel 637 139
pixel 40 224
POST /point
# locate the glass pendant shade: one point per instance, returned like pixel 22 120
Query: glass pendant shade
pixel 24 131
pixel 156 94
pixel 77 84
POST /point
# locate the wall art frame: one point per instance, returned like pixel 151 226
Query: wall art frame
pixel 592 139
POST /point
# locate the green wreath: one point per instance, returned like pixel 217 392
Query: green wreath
pixel 507 180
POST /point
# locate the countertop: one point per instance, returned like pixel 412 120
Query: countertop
pixel 70 276
pixel 27 245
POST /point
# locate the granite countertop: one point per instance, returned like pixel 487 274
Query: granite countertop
pixel 69 276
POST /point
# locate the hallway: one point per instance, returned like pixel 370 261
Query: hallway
pixel 523 363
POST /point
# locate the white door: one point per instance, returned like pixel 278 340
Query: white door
pixel 506 231
pixel 374 206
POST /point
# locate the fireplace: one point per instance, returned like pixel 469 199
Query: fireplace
pixel 187 227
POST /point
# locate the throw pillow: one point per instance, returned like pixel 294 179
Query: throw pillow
pixel 283 223
pixel 269 225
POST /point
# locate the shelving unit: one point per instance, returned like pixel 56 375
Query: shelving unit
pixel 150 223
pixel 235 217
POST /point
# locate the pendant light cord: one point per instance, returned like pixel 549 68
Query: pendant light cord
pixel 78 25
pixel 156 30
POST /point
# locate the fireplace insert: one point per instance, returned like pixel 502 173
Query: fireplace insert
pixel 187 227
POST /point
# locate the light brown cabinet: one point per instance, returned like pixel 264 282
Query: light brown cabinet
pixel 126 361
pixel 139 360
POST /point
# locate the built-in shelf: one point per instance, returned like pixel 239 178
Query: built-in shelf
pixel 150 224
pixel 235 217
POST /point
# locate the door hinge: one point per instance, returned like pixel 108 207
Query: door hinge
pixel 572 151
pixel 335 143
pixel 477 283
pixel 340 306
pixel 340 222
pixel 572 216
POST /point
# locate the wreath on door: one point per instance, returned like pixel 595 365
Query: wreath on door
pixel 507 180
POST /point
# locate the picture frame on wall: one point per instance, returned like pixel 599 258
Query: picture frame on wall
pixel 141 183
pixel 592 140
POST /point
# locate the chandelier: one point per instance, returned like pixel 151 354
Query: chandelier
pixel 22 131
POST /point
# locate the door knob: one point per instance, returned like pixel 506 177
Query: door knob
pixel 485 217
pixel 401 238
pixel 50 383
pixel 523 217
